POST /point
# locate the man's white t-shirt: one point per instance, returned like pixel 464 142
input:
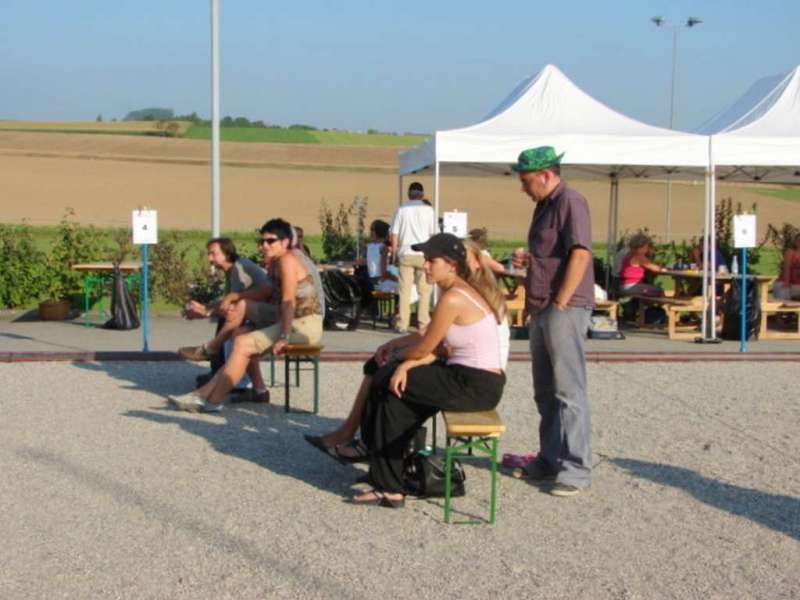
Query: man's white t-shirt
pixel 413 223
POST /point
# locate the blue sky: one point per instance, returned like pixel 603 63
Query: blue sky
pixel 397 66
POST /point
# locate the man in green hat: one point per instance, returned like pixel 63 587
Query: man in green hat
pixel 560 297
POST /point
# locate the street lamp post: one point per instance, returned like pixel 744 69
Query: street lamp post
pixel 661 22
pixel 215 216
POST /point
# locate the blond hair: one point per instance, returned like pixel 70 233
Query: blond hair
pixel 483 282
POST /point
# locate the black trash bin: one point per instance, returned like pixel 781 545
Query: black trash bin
pixel 123 308
pixel 732 310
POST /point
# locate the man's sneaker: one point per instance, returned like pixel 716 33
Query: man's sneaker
pixel 196 353
pixel 564 490
pixel 194 404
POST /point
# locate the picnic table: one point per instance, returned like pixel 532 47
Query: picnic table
pixel 347 267
pixel 514 284
pixel 97 275
pixel 684 300
pixel 693 275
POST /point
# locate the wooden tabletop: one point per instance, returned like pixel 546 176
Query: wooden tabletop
pixel 697 274
pixel 107 267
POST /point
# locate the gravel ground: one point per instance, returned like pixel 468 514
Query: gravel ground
pixel 109 493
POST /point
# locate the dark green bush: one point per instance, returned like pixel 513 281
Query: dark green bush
pixel 23 276
pixel 74 244
pixel 338 241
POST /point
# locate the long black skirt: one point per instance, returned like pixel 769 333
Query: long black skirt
pixel 389 423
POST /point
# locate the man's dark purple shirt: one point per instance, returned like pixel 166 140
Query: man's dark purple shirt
pixel 560 223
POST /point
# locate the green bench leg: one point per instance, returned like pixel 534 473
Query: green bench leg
pixel 448 480
pixel 86 291
pixel 287 366
pixel 488 445
pixel 286 373
pixel 493 500
pixel 316 384
pixel 271 370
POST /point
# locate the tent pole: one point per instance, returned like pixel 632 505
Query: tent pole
pixel 712 244
pixel 436 193
pixel 611 240
pixel 215 213
pixel 436 216
pixel 615 231
pixel 704 316
pixel 399 189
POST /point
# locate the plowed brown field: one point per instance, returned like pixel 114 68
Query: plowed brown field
pixel 103 177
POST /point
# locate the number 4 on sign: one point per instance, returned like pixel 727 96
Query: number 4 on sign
pixel 145 227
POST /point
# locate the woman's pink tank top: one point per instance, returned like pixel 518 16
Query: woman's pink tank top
pixel 476 345
pixel 631 274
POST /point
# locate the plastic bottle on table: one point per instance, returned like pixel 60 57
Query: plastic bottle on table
pixel 735 266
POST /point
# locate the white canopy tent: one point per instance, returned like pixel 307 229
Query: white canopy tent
pixel 756 139
pixel 549 109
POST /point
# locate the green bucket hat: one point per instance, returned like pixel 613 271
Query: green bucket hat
pixel 536 159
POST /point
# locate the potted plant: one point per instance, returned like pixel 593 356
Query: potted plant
pixel 74 244
pixel 54 307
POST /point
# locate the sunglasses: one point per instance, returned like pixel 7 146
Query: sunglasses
pixel 270 241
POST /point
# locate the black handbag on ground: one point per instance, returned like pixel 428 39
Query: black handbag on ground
pixel 123 309
pixel 424 476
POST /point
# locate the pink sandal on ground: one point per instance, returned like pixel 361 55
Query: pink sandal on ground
pixel 512 461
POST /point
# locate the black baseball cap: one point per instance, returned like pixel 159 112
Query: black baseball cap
pixel 443 245
pixel 416 186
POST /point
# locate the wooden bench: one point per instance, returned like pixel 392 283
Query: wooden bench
pixel 385 306
pixel 675 330
pixel 515 303
pixel 610 307
pixel 298 353
pixel 779 308
pixel 478 431
pixel 663 302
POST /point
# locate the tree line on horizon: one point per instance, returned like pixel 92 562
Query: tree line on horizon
pixel 167 114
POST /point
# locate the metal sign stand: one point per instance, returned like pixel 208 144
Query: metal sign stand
pixel 145 301
pixel 743 323
pixel 744 237
pixel 145 233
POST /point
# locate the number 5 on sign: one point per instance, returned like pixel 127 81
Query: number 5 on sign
pixel 145 227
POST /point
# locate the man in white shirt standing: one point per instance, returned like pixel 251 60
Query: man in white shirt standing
pixel 413 223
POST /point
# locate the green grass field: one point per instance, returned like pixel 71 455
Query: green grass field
pixel 788 194
pixel 303 136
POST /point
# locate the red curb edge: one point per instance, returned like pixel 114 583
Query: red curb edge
pixel 594 357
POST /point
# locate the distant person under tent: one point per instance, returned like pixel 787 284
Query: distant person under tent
pixel 481 237
pixel 300 241
pixel 787 287
pixel 413 223
pixel 697 257
pixel 635 266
